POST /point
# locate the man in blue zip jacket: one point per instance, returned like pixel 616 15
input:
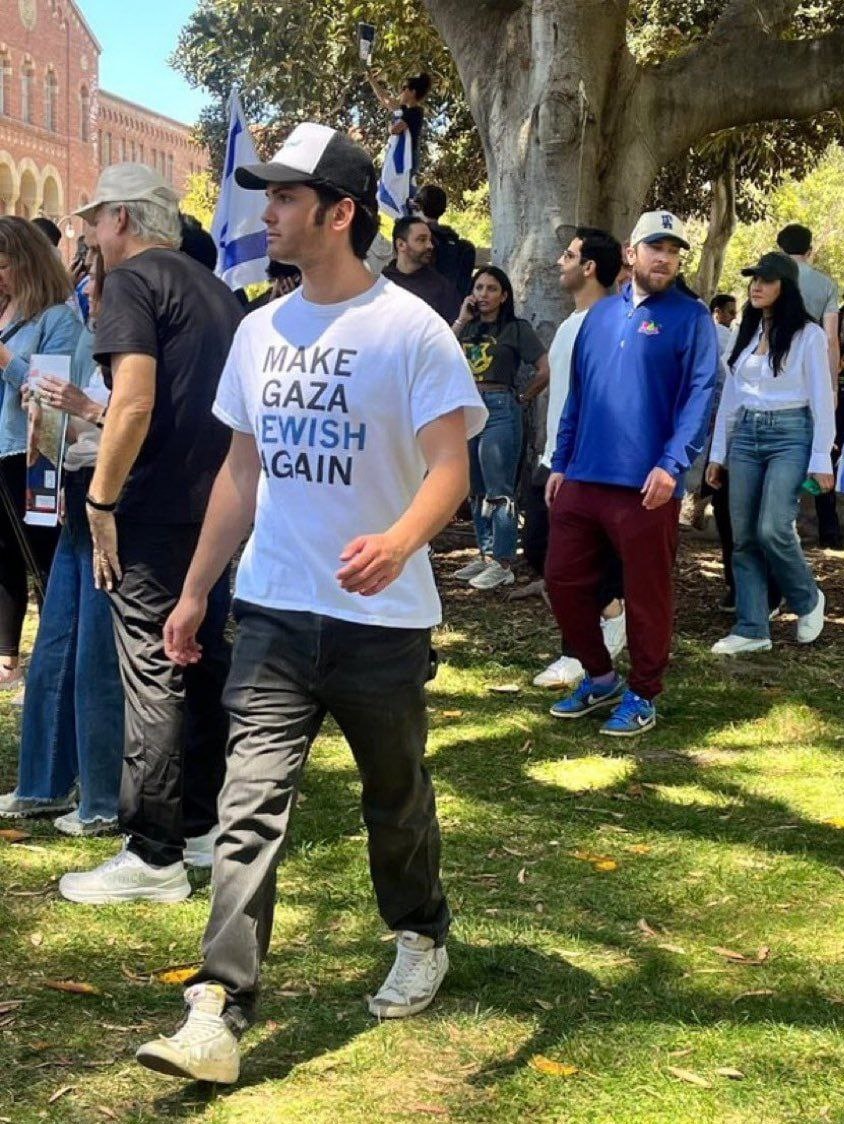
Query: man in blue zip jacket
pixel 643 374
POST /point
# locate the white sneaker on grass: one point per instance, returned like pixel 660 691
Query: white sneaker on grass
pixel 126 878
pixel 471 569
pixel 564 672
pixel 734 645
pixel 72 825
pixel 615 633
pixel 492 575
pixel 199 850
pixel 13 807
pixel 413 980
pixel 810 626
pixel 203 1048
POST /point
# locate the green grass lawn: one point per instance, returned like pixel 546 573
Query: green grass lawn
pixel 603 895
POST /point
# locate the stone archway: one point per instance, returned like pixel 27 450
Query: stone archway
pixel 52 196
pixel 8 194
pixel 27 207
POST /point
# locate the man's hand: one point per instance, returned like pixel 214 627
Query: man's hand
pixel 715 475
pixel 825 480
pixel 552 486
pixel 658 488
pixel 104 535
pixel 372 563
pixel 180 630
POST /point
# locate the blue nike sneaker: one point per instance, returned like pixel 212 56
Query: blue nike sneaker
pixel 588 696
pixel 632 716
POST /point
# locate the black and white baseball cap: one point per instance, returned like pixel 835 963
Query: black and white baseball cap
pixel 317 154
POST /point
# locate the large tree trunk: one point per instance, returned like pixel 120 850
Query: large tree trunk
pixel 722 225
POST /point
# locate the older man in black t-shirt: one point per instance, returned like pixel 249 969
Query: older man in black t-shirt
pixel 163 332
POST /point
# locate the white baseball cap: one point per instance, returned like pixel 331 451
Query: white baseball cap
pixel 653 226
pixel 129 183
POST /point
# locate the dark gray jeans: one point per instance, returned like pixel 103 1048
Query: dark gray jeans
pixel 290 669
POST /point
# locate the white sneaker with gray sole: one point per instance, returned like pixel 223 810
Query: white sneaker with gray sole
pixel 203 1048
pixel 413 980
pixel 126 878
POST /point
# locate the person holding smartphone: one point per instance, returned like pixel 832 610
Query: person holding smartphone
pixel 496 343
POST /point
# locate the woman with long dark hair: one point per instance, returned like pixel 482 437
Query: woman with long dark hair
pixel 775 425
pixel 496 343
pixel 34 320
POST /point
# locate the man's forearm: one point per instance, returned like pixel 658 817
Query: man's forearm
pixel 123 435
pixel 231 511
pixel 442 491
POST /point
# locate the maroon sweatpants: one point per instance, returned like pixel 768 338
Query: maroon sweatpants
pixel 583 519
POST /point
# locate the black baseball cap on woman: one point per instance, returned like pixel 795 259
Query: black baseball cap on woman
pixel 317 156
pixel 774 266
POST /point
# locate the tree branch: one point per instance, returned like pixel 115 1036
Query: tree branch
pixel 733 80
pixel 771 16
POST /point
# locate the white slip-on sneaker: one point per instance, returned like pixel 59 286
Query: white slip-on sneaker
pixel 203 1048
pixel 72 825
pixel 126 878
pixel 564 672
pixel 492 575
pixel 734 645
pixel 13 807
pixel 810 626
pixel 199 850
pixel 615 633
pixel 471 569
pixel 413 980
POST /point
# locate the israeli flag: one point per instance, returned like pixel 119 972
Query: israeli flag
pixel 394 186
pixel 237 229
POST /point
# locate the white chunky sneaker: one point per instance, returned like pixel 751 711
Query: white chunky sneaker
pixel 564 672
pixel 203 1048
pixel 12 807
pixel 414 978
pixel 199 850
pixel 491 576
pixel 810 626
pixel 471 569
pixel 126 878
pixel 733 645
pixel 72 825
pixel 615 633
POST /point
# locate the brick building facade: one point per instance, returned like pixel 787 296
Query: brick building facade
pixel 57 128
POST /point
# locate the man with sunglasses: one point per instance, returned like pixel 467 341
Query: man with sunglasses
pixel 642 380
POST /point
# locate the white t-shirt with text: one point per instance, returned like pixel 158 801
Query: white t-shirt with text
pixel 335 396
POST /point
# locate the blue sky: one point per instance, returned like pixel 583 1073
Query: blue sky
pixel 137 37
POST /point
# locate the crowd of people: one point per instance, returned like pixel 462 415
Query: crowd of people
pixel 336 429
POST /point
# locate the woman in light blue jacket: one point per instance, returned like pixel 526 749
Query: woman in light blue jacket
pixel 34 320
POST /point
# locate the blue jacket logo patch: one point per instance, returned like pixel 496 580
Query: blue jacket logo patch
pixel 649 328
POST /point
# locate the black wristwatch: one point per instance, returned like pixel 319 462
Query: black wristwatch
pixel 100 506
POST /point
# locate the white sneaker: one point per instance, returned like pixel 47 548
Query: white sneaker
pixel 125 878
pixel 615 633
pixel 199 851
pixel 414 979
pixel 471 569
pixel 564 672
pixel 810 626
pixel 72 825
pixel 491 576
pixel 203 1048
pixel 733 645
pixel 13 807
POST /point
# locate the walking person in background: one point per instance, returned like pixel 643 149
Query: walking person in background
pixel 34 320
pixel 496 343
pixel 775 424
pixel 642 379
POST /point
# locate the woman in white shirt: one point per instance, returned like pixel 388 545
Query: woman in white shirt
pixel 775 424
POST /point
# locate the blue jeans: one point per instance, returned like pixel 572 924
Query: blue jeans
pixel 493 464
pixel 768 462
pixel 73 706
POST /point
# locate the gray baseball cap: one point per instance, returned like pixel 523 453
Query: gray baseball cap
pixel 129 183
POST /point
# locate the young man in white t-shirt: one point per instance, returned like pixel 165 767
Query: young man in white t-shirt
pixel 340 397
pixel 588 269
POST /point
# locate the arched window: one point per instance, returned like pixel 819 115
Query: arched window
pixel 51 102
pixel 84 114
pixel 170 167
pixel 105 157
pixel 28 92
pixel 5 84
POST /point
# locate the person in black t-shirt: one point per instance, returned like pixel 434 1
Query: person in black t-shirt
pixel 407 111
pixel 412 268
pixel 496 343
pixel 164 329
